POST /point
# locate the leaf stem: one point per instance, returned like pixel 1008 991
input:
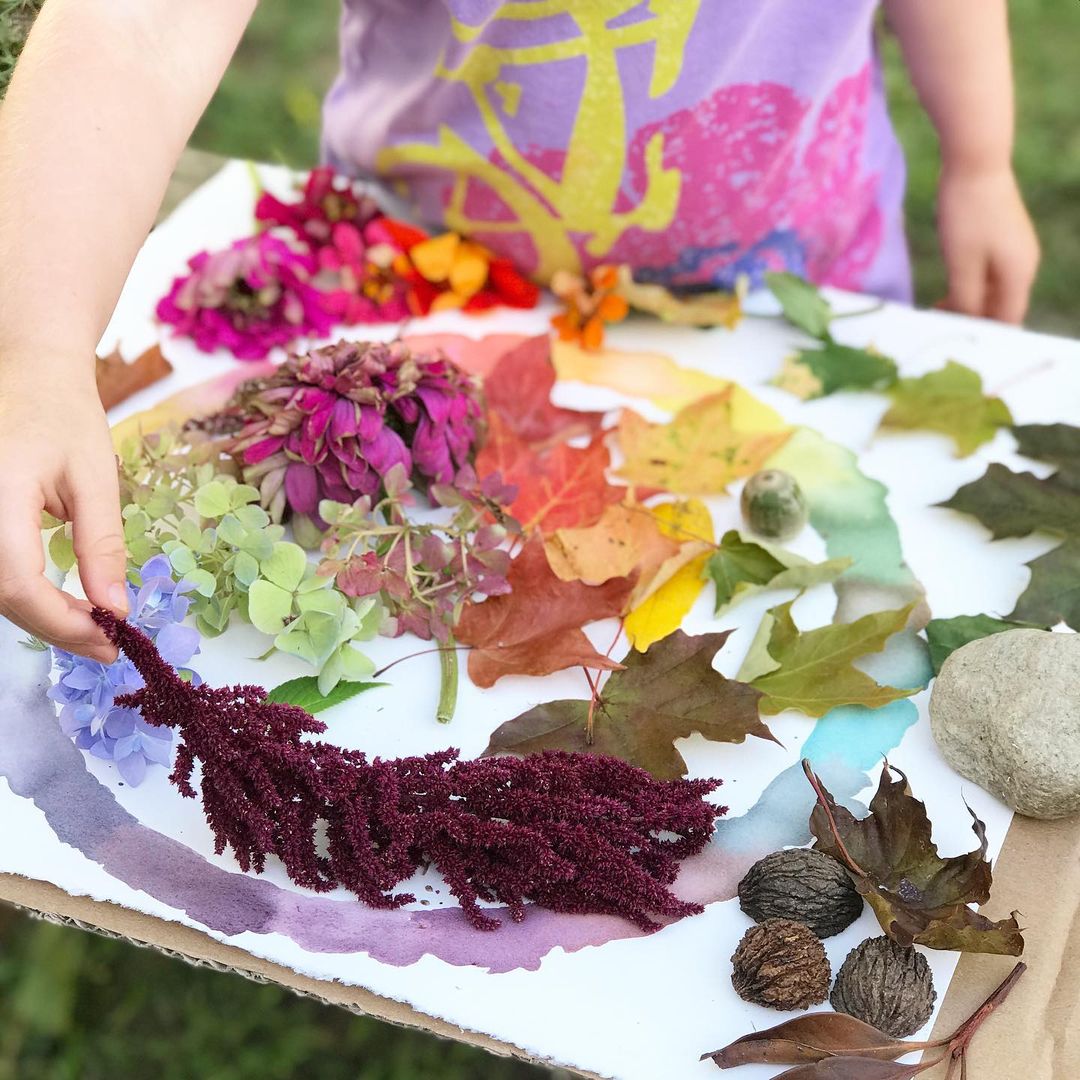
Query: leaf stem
pixel 422 652
pixel 823 802
pixel 966 1031
pixel 448 690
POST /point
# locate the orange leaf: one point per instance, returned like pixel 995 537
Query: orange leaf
pixel 535 629
pixel 117 379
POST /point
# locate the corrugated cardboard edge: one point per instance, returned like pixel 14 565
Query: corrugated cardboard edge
pixel 185 943
pixel 1034 1035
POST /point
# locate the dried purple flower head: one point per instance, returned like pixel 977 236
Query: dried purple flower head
pixel 332 424
pixel 572 832
pixel 249 298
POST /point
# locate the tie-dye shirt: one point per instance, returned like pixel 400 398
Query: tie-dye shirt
pixel 696 140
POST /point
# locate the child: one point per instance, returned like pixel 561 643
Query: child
pixel 693 139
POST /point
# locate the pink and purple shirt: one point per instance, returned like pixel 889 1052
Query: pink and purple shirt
pixel 696 140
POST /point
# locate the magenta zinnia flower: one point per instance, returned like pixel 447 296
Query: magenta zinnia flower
pixel 250 298
pixel 332 424
pixel 357 277
pixel 326 199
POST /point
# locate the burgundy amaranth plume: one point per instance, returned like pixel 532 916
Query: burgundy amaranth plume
pixel 571 832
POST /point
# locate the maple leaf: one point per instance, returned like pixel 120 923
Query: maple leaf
pixel 1017 504
pixel 117 379
pixel 698 453
pixel 950 401
pixel 535 629
pixel 815 373
pixel 945 636
pixel 1058 444
pixel 627 538
pixel 663 694
pixel 917 896
pixel 739 566
pixel 1053 593
pixel 561 487
pixel 678 583
pixel 519 391
pixel 802 304
pixel 813 671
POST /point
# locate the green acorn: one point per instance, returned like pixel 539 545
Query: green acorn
pixel 773 506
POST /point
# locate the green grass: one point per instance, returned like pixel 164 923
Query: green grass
pixel 76 1007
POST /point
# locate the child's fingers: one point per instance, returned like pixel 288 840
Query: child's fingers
pixel 968 287
pixel 1010 291
pixel 28 600
pixel 98 539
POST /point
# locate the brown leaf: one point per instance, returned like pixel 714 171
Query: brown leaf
pixel 519 390
pixel 918 896
pixel 535 629
pixel 853 1068
pixel 811 1038
pixel 117 379
pixel 663 694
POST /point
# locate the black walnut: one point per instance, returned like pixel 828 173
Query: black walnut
pixel 781 964
pixel 886 985
pixel 807 886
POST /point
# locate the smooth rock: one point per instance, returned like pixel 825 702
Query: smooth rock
pixel 1005 711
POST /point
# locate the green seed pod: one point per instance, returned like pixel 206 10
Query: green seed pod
pixel 773 507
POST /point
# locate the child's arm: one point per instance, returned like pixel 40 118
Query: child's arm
pixel 103 101
pixel 958 53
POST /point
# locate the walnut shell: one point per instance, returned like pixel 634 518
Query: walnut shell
pixel 807 886
pixel 886 985
pixel 781 964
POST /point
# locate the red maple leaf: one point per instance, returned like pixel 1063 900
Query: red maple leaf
pixel 535 629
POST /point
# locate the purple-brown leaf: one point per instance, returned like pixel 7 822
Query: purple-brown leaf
pixel 854 1068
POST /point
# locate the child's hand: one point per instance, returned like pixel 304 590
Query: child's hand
pixel 989 243
pixel 56 455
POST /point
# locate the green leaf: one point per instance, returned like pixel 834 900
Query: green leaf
pixel 269 606
pixel 739 567
pixel 666 693
pixel 243 494
pixel 205 583
pixel 252 517
pixel 1018 504
pixel 304 693
pixel 245 568
pixel 181 559
pixel 61 549
pixel 212 500
pixel 285 565
pixel 945 636
pixel 1053 593
pixel 803 305
pixel 816 672
pixel 917 896
pixel 950 401
pixel 815 373
pixel 230 531
pixel 1057 443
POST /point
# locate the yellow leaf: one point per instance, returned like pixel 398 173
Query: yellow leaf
pixel 627 538
pixel 699 452
pixel 696 309
pixel 679 582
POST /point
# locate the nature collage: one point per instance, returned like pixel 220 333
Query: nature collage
pixel 431 488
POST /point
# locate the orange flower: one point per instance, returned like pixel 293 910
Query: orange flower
pixel 448 272
pixel 591 303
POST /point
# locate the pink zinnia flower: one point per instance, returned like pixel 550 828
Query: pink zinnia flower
pixel 326 199
pixel 250 298
pixel 332 424
pixel 357 277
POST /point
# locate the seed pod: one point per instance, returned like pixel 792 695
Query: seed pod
pixel 773 506
pixel 781 964
pixel 886 985
pixel 807 886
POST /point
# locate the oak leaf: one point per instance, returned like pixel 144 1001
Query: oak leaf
pixel 699 452
pixel 950 401
pixel 519 390
pixel 813 671
pixel 664 694
pixel 535 629
pixel 917 896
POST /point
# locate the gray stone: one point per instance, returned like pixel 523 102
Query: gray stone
pixel 1005 711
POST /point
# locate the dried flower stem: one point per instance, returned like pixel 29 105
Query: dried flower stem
pixel 823 802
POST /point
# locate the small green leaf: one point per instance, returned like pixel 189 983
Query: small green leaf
pixel 205 583
pixel 212 500
pixel 61 550
pixel 815 373
pixel 945 636
pixel 245 568
pixel 803 305
pixel 269 606
pixel 252 517
pixel 304 693
pixel 285 565
pixel 243 494
pixel 231 531
pixel 182 559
